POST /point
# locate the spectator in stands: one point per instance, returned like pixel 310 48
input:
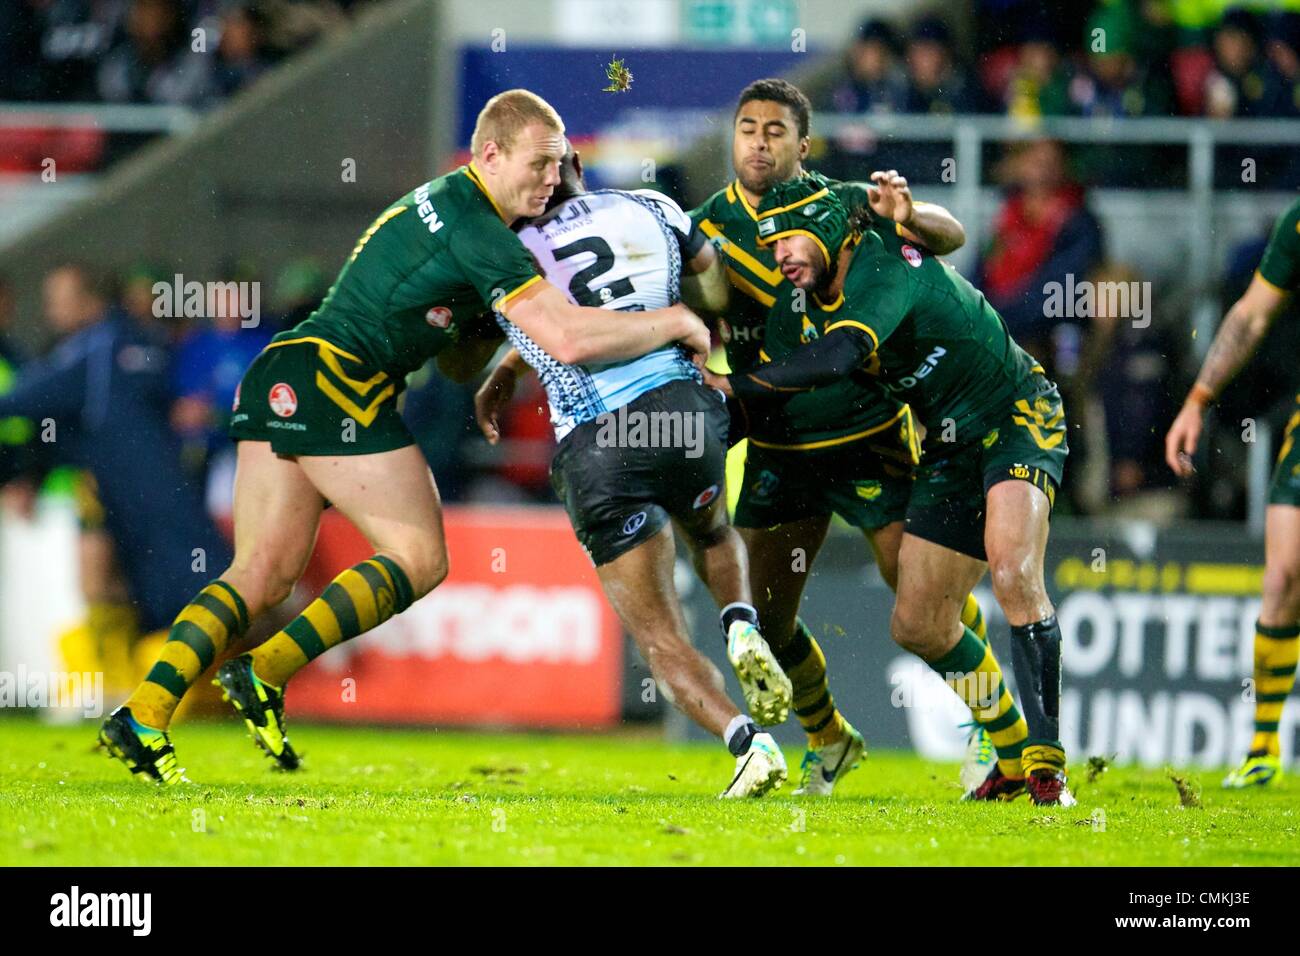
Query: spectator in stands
pixel 158 62
pixel 17 457
pixel 1114 82
pixel 103 392
pixel 209 364
pixel 875 83
pixel 1283 48
pixel 242 54
pixel 936 83
pixel 1039 84
pixel 1043 234
pixel 73 36
pixel 23 74
pixel 299 288
pixel 1244 82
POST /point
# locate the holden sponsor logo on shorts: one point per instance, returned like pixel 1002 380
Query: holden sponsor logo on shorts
pixel 912 255
pixel 439 317
pixel 634 524
pixel 282 399
pixel 658 429
pixel 706 496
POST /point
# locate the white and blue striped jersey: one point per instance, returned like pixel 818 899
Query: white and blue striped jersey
pixel 614 250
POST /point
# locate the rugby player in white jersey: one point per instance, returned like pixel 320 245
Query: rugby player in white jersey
pixel 642 448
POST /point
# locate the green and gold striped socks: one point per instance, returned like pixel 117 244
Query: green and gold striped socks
pixel 1276 650
pixel 805 665
pixel 203 629
pixel 972 671
pixel 360 598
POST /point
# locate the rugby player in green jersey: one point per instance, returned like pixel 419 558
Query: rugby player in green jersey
pixel 316 420
pixel 850 456
pixel 1277 633
pixel 993 457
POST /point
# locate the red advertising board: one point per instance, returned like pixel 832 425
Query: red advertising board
pixel 518 634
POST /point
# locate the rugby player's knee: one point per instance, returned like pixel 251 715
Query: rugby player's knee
pixel 1281 586
pixel 263 583
pixel 915 630
pixel 425 566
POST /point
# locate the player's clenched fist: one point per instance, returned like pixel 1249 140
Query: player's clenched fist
pixel 695 337
pixel 1180 443
pixel 494 395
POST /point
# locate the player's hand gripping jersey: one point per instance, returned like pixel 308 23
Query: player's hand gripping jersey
pixel 614 250
pixel 427 266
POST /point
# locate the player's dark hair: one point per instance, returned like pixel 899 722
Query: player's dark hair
pixel 776 90
pixel 860 219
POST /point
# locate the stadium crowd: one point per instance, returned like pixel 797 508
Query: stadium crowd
pixel 1110 58
pixel 191 53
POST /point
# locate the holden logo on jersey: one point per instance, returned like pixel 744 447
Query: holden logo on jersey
pixel 633 524
pixel 283 400
pixel 234 406
pixel 912 255
pixel 439 317
pixel 1019 471
pixel 706 496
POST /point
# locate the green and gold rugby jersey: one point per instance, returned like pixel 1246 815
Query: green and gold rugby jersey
pixel 939 345
pixel 1280 266
pixel 731 223
pixel 429 264
pixel 852 408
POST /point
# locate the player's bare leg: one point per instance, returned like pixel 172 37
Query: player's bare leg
pixel 723 565
pixel 639 586
pixel 392 500
pixel 780 558
pixel 1015 539
pixel 934 583
pixel 1277 645
pixel 276 512
pixel 980 752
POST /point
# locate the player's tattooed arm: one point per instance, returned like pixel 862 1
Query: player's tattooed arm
pixel 574 335
pixel 1236 341
pixel 932 226
pixel 1239 336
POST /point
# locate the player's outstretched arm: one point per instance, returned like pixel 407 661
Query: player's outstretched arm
pixel 574 334
pixel 705 286
pixel 932 226
pixel 1236 341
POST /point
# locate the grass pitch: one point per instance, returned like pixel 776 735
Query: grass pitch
pixel 373 796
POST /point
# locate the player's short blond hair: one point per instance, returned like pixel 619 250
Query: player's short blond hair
pixel 506 115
